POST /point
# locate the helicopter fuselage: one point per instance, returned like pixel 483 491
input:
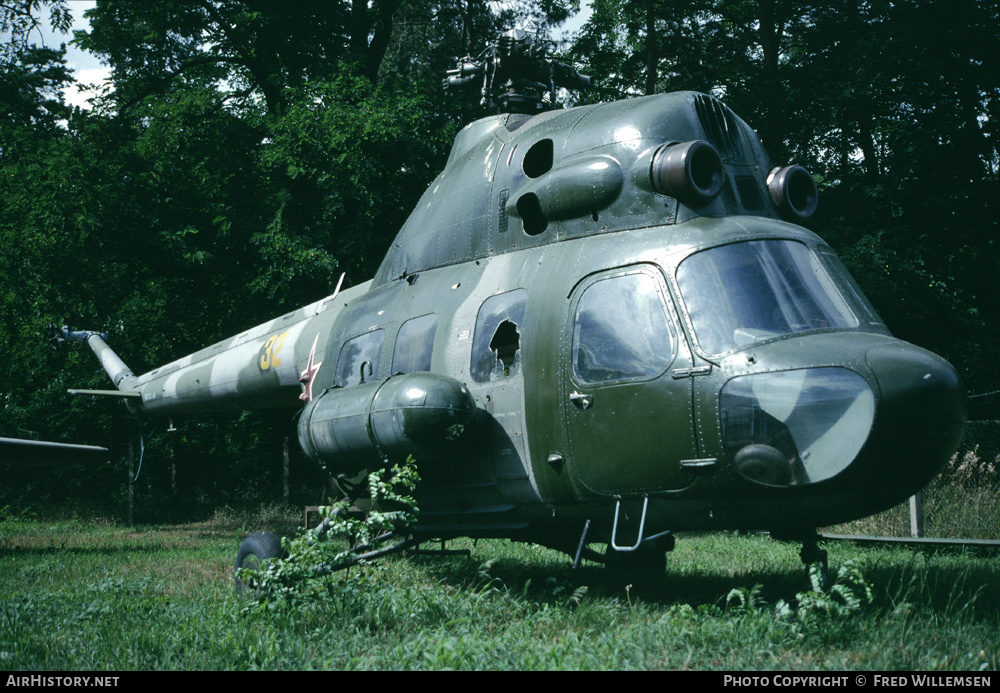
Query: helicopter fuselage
pixel 591 317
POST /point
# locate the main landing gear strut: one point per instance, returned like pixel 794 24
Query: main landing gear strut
pixel 811 553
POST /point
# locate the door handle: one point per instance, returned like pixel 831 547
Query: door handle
pixel 581 400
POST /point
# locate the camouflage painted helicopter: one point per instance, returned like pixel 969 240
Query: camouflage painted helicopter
pixel 600 324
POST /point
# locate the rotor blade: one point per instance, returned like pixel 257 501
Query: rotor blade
pixel 123 394
pixel 15 451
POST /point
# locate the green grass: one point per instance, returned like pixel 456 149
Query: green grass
pixel 79 595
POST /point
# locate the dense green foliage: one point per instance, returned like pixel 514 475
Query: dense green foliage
pixel 309 568
pixel 243 158
pixel 240 162
pixel 81 596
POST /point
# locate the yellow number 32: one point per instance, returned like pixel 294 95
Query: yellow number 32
pixel 269 354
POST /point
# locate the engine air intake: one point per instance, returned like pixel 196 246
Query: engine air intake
pixel 794 192
pixel 690 171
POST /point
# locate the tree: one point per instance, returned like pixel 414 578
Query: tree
pixel 21 19
pixel 258 51
pixel 242 160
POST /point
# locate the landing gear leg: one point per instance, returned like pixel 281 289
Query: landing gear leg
pixel 811 553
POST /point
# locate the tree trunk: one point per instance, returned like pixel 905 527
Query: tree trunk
pixel 652 54
pixel 770 30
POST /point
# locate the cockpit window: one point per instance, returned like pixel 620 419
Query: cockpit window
pixel 865 311
pixel 621 331
pixel 744 293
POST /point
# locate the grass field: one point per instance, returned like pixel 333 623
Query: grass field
pixel 85 595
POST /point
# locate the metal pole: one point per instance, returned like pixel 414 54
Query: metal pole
pixel 131 481
pixel 284 454
pixel 173 472
pixel 917 515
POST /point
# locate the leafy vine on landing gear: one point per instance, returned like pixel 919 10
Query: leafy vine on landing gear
pixel 313 558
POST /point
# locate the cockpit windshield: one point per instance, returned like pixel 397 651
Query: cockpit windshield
pixel 743 293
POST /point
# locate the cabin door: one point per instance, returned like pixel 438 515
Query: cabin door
pixel 628 419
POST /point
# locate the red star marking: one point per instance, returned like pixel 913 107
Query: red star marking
pixel 309 374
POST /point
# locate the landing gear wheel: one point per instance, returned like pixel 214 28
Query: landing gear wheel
pixel 255 553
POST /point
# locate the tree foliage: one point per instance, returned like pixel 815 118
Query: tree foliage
pixel 22 21
pixel 241 161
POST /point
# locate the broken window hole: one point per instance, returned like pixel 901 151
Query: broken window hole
pixel 497 341
pixel 505 344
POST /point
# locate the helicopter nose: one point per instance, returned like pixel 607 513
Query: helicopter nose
pixel 921 414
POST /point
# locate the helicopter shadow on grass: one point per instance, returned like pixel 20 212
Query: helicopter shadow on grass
pixel 947 584
pixel 555 580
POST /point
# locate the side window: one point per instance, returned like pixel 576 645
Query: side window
pixel 622 331
pixel 414 344
pixel 496 347
pixel 362 350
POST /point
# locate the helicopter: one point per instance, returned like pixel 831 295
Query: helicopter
pixel 600 325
